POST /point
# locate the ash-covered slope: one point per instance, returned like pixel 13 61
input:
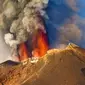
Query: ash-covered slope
pixel 57 67
pixel 63 67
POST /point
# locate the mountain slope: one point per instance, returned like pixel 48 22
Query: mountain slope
pixel 57 67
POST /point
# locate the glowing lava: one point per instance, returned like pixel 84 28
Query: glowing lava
pixel 23 53
pixel 39 45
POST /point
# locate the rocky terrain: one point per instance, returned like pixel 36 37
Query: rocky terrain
pixel 57 67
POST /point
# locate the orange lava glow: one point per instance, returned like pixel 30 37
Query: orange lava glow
pixel 42 44
pixel 23 53
pixel 39 45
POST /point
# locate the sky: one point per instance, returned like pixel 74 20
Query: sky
pixel 66 22
pixel 4 49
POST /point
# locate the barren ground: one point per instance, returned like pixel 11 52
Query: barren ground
pixel 57 67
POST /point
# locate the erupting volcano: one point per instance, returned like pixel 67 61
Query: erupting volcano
pixel 39 46
pixel 34 35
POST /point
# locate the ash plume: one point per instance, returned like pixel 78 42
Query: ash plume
pixel 20 19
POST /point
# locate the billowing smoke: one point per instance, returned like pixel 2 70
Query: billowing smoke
pixel 20 19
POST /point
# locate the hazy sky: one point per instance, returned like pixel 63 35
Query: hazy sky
pixel 4 49
pixel 66 18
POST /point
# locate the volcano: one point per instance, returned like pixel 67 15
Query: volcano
pixel 56 67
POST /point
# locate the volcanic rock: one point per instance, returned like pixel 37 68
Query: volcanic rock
pixel 57 67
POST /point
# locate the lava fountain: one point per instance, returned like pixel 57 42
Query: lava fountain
pixel 26 33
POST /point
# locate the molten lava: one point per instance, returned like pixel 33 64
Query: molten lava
pixel 23 53
pixel 39 46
